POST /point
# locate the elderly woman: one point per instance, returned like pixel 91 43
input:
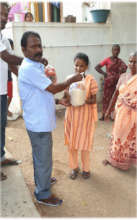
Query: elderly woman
pixel 122 152
pixel 114 67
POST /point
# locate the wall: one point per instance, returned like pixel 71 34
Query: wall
pixel 62 41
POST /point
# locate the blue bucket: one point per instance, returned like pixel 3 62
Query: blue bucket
pixel 100 15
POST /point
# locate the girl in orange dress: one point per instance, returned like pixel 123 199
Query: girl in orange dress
pixel 80 121
pixel 122 151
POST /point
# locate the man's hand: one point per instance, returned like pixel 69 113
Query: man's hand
pixel 44 61
pixel 13 69
pixel 75 78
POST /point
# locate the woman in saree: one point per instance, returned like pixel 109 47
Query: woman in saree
pixel 114 68
pixel 122 151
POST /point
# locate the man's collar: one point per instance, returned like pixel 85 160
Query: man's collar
pixel 34 62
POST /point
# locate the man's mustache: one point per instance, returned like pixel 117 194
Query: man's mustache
pixel 38 55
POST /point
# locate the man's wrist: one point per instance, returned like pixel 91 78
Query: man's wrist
pixel 68 82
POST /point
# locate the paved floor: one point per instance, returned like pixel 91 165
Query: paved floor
pixel 16 199
pixel 108 193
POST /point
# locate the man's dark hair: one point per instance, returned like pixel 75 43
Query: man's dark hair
pixel 5 4
pixel 26 35
pixel 116 45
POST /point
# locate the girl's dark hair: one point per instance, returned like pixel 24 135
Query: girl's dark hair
pixel 28 13
pixel 26 35
pixel 116 45
pixel 82 56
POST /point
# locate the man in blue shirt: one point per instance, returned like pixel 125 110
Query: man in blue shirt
pixel 37 95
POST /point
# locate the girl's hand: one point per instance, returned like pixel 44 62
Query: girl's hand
pixel 91 100
pixel 88 101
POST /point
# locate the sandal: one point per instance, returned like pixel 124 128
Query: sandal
pixel 102 118
pixel 85 174
pixel 74 173
pixel 51 201
pixel 10 162
pixel 2 176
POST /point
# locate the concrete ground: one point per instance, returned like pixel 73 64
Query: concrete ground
pixel 16 200
pixel 108 193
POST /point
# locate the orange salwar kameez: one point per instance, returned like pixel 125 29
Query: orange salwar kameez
pixel 80 126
